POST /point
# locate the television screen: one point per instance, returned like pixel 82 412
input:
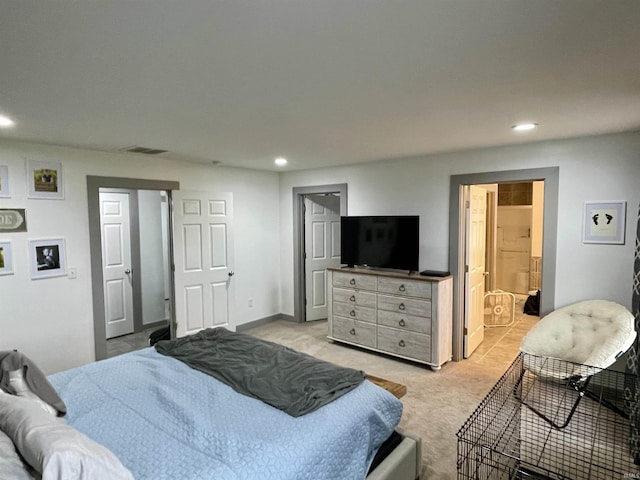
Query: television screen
pixel 380 241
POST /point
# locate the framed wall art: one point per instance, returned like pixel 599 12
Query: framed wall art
pixel 45 180
pixel 47 258
pixel 604 222
pixel 4 182
pixel 6 258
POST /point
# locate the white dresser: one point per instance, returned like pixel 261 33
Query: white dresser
pixel 409 316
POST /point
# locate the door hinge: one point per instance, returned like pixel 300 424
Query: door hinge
pixel 466 331
pixel 466 269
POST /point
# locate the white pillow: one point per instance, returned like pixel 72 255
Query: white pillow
pixel 52 447
pixel 11 465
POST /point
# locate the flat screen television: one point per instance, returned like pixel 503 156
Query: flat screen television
pixel 380 241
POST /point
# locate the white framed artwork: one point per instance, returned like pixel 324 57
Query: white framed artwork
pixel 6 258
pixel 47 258
pixel 45 180
pixel 604 222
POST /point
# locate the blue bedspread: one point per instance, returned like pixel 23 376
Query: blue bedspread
pixel 165 420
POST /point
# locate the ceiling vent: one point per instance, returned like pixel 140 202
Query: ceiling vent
pixel 144 150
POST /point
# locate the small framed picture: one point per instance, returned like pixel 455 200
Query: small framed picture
pixel 604 222
pixel 6 258
pixel 47 258
pixel 45 180
pixel 4 182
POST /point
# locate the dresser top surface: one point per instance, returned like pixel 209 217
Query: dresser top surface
pixel 389 273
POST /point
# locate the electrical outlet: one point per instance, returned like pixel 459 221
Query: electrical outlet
pixel 250 303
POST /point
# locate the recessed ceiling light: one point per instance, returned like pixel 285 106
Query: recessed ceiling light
pixel 523 127
pixel 6 121
pixel 280 161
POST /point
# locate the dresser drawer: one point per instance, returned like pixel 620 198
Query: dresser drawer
pixel 354 280
pixel 355 332
pixel 399 286
pixel 407 344
pixel 364 299
pixel 403 321
pixel 410 306
pixel 356 312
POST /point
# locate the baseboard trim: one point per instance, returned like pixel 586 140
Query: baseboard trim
pixel 263 321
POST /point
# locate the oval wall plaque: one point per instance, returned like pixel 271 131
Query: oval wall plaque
pixel 13 220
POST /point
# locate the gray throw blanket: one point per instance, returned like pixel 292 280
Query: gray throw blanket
pixel 33 377
pixel 291 381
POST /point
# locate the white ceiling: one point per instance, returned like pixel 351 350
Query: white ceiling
pixel 321 82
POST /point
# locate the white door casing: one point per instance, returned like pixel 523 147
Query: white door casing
pixel 203 256
pixel 322 250
pixel 475 275
pixel 115 228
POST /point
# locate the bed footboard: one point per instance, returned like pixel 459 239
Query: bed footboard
pixel 403 463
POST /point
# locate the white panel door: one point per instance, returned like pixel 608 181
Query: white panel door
pixel 203 239
pixel 116 263
pixel 475 276
pixel 322 250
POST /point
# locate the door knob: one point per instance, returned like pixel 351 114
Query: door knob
pixel 231 274
pixel 128 271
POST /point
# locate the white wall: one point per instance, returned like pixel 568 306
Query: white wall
pixel 51 320
pixel 591 168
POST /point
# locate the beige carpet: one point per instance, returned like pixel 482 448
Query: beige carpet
pixel 437 403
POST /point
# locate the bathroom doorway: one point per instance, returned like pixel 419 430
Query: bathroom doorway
pixel 458 234
pixel 517 230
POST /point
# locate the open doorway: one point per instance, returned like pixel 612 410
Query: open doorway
pixel 517 231
pixel 515 215
pixel 309 285
pixel 322 250
pixel 134 227
pixel 151 295
pixel 459 247
pixel 511 269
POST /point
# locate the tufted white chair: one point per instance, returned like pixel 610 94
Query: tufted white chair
pixel 568 347
pixel 593 333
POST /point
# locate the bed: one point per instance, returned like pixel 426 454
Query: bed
pixel 163 419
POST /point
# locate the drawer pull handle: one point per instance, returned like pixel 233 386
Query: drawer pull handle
pixel 401 323
pixel 401 288
pixel 352 331
pixel 401 306
pixel 352 313
pixel 353 298
pixel 401 343
pixel 352 281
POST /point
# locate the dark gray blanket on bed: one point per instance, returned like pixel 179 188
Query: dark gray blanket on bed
pixel 279 376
